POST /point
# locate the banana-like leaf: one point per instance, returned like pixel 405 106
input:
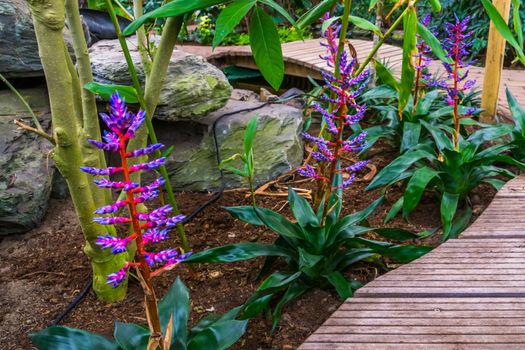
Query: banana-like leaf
pixel 364 24
pixel 433 42
pixel 176 304
pixel 220 335
pixel 407 68
pixel 171 9
pixel 314 14
pixel 266 47
pixel 131 336
pixel 279 9
pixel 230 17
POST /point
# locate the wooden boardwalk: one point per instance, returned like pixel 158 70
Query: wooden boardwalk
pixel 302 59
pixel 468 293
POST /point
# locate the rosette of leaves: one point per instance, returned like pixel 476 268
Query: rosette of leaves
pixel 216 332
pixel 316 255
pixel 450 174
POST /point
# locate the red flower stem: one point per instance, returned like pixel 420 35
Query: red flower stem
pixel 149 293
pixel 418 77
pixel 455 137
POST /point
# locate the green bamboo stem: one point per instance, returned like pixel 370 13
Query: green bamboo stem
pixel 24 102
pixel 157 80
pixel 142 42
pixel 48 20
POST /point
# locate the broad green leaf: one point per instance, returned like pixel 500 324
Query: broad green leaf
pixel 411 134
pixel 440 137
pixel 106 90
pixel 279 9
pixel 302 210
pixel 350 220
pixel 406 253
pixel 407 68
pixel 328 22
pixel 490 133
pixel 394 171
pixel 460 222
pixel 516 20
pixel 415 188
pixel 396 234
pixel 364 24
pixel 314 13
pixel 236 252
pixel 65 338
pixel 307 260
pixel 517 111
pixel 246 214
pixel 425 103
pixel 266 47
pixel 229 17
pixel 503 28
pixel 278 280
pixel 341 284
pixel 176 303
pixel 372 4
pixel 435 4
pixel 496 183
pixel 385 75
pixel 380 92
pixel 249 135
pixel 168 151
pixel 254 307
pixel 131 336
pixel 209 319
pixel 220 335
pixel 278 223
pixel 171 9
pixel 398 205
pixel 449 205
pixel 294 291
pixel 433 42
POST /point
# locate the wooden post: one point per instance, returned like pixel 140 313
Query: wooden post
pixel 494 65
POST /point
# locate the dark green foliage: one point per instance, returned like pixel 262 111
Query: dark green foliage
pixel 316 253
pixel 212 332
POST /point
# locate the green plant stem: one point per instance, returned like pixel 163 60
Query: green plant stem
pixel 156 79
pixel 381 41
pixel 48 19
pixel 24 102
pixel 142 41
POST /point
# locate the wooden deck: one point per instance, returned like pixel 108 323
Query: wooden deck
pixel 302 59
pixel 468 293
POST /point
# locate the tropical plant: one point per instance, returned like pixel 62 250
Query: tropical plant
pixel 321 244
pixel 212 332
pixel 246 157
pixel 147 228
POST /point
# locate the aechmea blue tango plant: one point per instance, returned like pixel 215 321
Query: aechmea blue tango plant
pixel 147 228
pixel 343 111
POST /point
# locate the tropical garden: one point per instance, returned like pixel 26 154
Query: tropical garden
pixel 196 206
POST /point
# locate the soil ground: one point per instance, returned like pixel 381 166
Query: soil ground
pixel 42 271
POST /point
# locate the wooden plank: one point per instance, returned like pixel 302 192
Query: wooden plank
pixel 335 345
pixel 420 338
pixel 350 320
pixel 434 306
pixel 442 292
pixel 419 330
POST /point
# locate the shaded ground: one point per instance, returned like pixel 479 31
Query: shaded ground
pixel 43 270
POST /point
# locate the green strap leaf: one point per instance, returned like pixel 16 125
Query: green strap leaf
pixel 172 9
pixel 517 111
pixel 176 303
pixel 302 210
pixel 433 42
pixel 314 14
pixel 385 75
pixel 236 252
pixel 516 20
pixel 220 335
pixel 266 48
pixel 249 135
pixel 415 188
pixel 366 25
pixel 503 28
pixel 131 336
pixel 230 17
pixel 411 134
pixel 398 205
pixel 341 284
pixel 279 9
pixel 408 71
pixel 106 90
pixel 449 205
pixel 65 338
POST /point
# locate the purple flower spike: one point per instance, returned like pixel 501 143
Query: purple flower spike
pixel 117 245
pixel 148 166
pixel 146 150
pixel 109 147
pixel 116 278
pixel 155 235
pixel 97 171
pixel 111 208
pixel 111 220
pixel 161 257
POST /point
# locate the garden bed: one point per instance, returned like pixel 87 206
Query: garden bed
pixel 43 270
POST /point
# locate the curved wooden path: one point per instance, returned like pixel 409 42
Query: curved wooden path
pixel 302 59
pixel 468 293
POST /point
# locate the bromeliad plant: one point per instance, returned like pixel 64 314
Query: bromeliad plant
pixel 246 157
pixel 168 320
pixel 319 245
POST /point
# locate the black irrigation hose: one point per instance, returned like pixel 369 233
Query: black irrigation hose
pixel 190 217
